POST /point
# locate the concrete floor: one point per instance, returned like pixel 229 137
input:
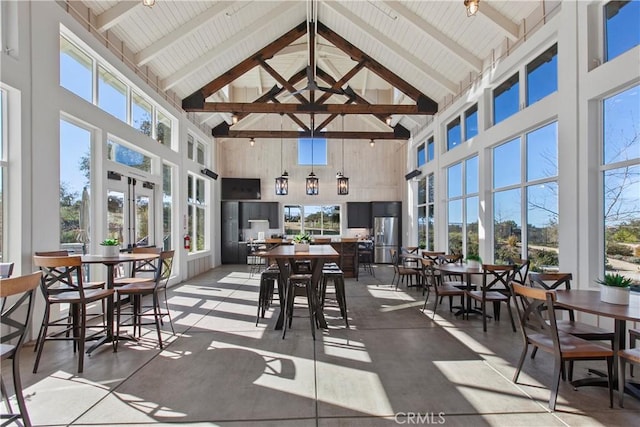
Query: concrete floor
pixel 395 365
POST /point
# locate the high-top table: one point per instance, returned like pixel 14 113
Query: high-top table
pixel 111 262
pixel 466 271
pixel 318 255
pixel 588 301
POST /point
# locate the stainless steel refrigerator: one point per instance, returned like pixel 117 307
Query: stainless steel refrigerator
pixel 386 234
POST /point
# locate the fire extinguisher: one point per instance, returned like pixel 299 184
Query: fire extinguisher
pixel 187 242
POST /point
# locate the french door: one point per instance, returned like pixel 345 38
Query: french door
pixel 131 212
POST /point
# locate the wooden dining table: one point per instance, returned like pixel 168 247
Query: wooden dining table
pixel 110 263
pixel 588 301
pixel 466 271
pixel 285 256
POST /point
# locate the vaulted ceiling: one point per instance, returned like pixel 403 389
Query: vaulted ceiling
pixel 391 63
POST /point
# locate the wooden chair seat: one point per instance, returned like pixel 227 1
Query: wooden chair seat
pixel 122 281
pixel 570 346
pixel 488 296
pixel 626 355
pixel 138 287
pixel 631 354
pixel 73 297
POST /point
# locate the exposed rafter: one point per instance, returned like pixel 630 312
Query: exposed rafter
pixel 154 49
pixel 501 22
pixel 223 131
pixel 421 67
pixel 308 108
pixel 256 31
pixel 433 33
pixel 114 15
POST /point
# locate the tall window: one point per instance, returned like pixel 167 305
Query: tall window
pixel 542 75
pixel 526 192
pixel 3 167
pixel 167 206
pixel 505 99
pixel 471 122
pixel 315 220
pixel 430 149
pixel 141 114
pixel 195 150
pixel 621 27
pixel 462 206
pixel 312 150
pixel 430 213
pixel 454 135
pixel 76 70
pixel 422 213
pixel 112 94
pixel 79 69
pixel 75 188
pixel 621 181
pixel 128 156
pixel 197 210
pixel 420 156
pixel 426 209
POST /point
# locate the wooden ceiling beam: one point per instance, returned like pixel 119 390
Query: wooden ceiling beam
pixel 222 131
pixel 271 108
pixel 344 79
pixel 373 65
pixel 226 78
pixel 283 82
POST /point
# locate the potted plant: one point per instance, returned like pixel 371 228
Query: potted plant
pixel 474 260
pixel 111 247
pixel 615 288
pixel 301 242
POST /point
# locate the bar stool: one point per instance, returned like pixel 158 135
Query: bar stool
pixel 337 276
pixel 295 284
pixel 265 296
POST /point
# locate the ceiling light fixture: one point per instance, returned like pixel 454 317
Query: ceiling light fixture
pixel 234 118
pixel 343 181
pixel 312 181
pixel 148 3
pixel 252 142
pixel 372 143
pixel 472 7
pixel 282 182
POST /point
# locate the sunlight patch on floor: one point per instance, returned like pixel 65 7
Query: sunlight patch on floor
pixel 346 349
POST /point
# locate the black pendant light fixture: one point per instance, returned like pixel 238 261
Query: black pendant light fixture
pixel 343 181
pixel 312 181
pixel 282 182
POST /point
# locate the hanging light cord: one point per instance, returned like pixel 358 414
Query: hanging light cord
pixel 312 128
pixel 343 173
pixel 281 144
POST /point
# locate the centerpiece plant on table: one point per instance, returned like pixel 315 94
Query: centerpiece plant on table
pixel 615 288
pixel 301 242
pixel 111 247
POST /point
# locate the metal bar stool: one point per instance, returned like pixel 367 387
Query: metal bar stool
pixel 297 282
pixel 265 296
pixel 337 276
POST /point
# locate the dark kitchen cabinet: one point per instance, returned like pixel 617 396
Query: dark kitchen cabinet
pixel 358 215
pixel 230 232
pixel 259 211
pixel 393 209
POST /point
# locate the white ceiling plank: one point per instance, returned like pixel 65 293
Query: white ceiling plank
pixel 327 66
pixel 435 34
pixel 114 15
pixel 256 27
pixel 503 23
pixel 187 28
pixel 302 48
pixel 396 48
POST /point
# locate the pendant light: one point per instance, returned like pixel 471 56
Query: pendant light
pixel 282 182
pixel 472 7
pixel 343 181
pixel 312 180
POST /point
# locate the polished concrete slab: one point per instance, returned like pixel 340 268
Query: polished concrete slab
pixel 394 365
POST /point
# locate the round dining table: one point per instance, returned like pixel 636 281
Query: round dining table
pixel 110 263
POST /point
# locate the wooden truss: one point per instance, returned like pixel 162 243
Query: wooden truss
pixel 269 104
